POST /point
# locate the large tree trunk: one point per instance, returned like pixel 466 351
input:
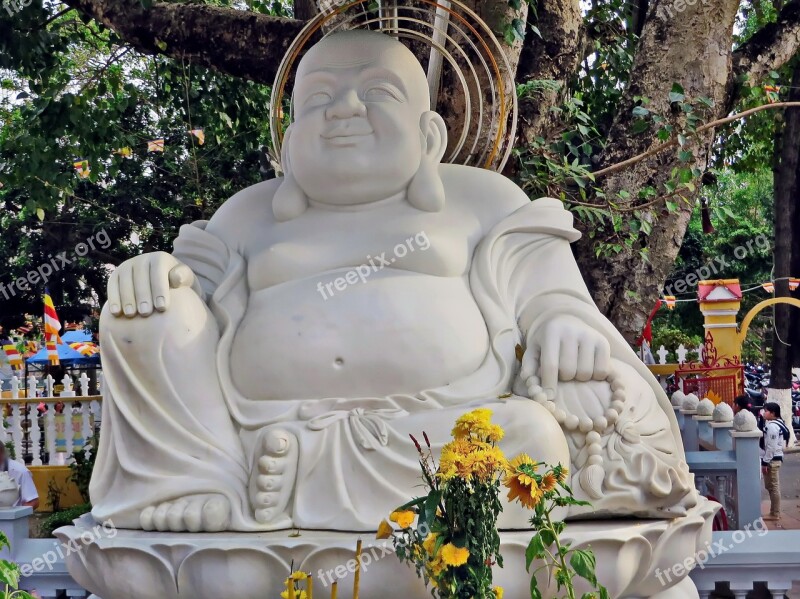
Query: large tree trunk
pixel 555 56
pixel 787 149
pixel 693 49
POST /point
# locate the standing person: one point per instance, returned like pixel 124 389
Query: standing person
pixel 776 434
pixel 742 402
pixel 28 495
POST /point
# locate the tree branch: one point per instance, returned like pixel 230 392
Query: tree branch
pixel 239 43
pixel 771 47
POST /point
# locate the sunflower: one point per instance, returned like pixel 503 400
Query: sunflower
pixel 561 473
pixel 521 483
pixel 404 518
pixel 549 482
pixel 454 556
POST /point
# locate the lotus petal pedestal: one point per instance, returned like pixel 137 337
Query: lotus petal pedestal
pixel 151 565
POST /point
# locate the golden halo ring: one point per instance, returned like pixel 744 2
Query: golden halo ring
pixel 501 126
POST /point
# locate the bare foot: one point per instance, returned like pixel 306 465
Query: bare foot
pixel 195 513
pixel 273 478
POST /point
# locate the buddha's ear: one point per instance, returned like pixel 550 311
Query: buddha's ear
pixel 434 131
pixel 426 190
pixel 289 201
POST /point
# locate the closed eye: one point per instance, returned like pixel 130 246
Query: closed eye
pixel 383 92
pixel 319 98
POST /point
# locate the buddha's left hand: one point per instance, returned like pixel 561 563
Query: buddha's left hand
pixel 566 349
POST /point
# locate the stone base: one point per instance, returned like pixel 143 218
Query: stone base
pixel 632 556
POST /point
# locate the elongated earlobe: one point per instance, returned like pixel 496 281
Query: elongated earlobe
pixel 290 201
pixel 426 190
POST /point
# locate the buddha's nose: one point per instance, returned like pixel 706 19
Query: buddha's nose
pixel 346 106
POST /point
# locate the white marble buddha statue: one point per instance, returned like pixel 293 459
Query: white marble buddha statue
pixel 267 373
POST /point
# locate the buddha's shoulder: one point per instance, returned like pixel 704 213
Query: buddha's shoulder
pixel 250 207
pixel 485 193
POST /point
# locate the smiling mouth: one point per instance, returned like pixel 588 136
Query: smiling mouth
pixel 343 135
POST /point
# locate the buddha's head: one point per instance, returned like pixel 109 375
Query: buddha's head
pixel 363 130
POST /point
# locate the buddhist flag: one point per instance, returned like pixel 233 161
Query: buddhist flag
pixel 670 301
pixel 793 283
pixel 12 353
pixel 52 328
pixel 155 145
pixel 769 287
pixel 85 348
pixel 82 168
pixel 125 152
pixel 200 135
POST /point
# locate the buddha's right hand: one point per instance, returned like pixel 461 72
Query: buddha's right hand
pixel 142 284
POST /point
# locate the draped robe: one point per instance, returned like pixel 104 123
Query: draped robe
pixel 356 462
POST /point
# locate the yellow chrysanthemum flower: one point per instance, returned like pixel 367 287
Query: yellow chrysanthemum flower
pixel 549 482
pixel 454 556
pixel 298 575
pixel 485 462
pixel 385 530
pixel 521 485
pixel 404 518
pixel 498 592
pixel 478 424
pixel 430 543
pixel 297 594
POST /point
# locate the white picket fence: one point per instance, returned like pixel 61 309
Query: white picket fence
pixel 52 436
pixel 681 353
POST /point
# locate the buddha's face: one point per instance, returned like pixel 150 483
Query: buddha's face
pixel 358 101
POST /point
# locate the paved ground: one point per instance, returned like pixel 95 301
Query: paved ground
pixel 790 519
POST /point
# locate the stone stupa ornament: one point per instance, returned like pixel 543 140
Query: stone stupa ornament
pixel 264 377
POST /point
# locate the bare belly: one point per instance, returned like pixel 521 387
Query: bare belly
pixel 399 332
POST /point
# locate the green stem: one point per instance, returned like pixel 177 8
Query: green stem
pixel 561 557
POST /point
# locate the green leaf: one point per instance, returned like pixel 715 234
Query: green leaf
pixel 519 28
pixel 584 564
pixel 431 504
pixel 685 156
pixel 535 592
pixel 640 111
pixel 9 573
pixel 162 45
pixel 677 94
pixel 40 214
pixel 640 126
pixel 535 549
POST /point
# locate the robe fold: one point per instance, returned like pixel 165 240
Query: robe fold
pixel 522 275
